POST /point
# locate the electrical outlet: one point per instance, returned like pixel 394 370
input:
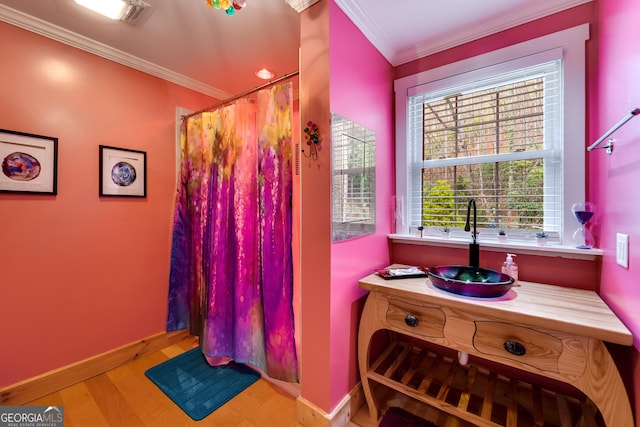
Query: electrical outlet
pixel 622 249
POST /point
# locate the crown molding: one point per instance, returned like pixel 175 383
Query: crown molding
pixel 300 5
pixel 494 26
pixel 43 28
pixel 376 36
pixel 368 27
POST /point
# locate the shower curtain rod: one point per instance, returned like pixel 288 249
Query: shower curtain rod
pixel 240 95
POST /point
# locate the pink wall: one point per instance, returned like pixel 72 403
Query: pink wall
pixel 359 93
pixel 315 206
pixel 70 291
pixel 613 177
pixel 354 80
pixel 81 275
pixel 362 91
pixel 613 88
pixel 613 180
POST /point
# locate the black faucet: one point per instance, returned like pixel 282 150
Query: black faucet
pixel 474 247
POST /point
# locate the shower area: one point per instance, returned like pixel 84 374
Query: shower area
pixel 231 280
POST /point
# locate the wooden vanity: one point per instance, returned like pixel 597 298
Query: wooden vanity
pixel 549 331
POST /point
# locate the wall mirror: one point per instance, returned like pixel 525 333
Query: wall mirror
pixel 353 186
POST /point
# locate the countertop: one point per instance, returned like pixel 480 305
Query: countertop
pixel 569 310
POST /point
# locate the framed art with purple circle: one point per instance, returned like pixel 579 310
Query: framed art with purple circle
pixel 123 172
pixel 28 163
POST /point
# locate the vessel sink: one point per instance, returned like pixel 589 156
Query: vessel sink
pixel 470 281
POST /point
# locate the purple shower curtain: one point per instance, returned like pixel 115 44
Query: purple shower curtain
pixel 231 269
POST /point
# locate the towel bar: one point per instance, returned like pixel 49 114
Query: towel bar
pixel 609 146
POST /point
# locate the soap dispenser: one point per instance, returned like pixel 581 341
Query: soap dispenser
pixel 510 268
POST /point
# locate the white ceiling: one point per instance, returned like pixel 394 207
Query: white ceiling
pixel 189 43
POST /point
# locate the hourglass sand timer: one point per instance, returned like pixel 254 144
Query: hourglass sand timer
pixel 582 237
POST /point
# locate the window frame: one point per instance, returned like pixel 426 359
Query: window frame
pixel 572 42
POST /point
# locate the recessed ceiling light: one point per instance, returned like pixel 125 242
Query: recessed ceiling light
pixel 113 9
pixel 265 74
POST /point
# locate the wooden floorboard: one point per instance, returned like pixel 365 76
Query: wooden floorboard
pixel 124 397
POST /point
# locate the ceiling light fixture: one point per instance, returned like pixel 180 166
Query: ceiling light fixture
pixel 265 74
pixel 113 9
pixel 229 6
pixel 128 11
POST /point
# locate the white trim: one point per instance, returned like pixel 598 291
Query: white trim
pixel 310 415
pixel 572 41
pixel 501 23
pixel 368 27
pixel 490 158
pixel 46 29
pixel 529 47
pixel 521 248
pixel 300 5
pixel 467 78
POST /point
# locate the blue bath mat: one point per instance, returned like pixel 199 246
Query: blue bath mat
pixel 198 388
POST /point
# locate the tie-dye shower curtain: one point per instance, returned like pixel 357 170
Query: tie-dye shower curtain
pixel 231 269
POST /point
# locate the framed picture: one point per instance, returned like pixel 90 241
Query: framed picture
pixel 29 163
pixel 123 172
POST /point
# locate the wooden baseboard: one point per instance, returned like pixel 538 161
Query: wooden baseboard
pixel 57 379
pixel 309 415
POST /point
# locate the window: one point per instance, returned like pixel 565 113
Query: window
pixel 494 141
pixel 497 129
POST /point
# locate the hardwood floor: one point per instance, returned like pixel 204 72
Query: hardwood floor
pixel 125 397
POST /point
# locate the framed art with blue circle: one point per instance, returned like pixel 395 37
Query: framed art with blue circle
pixel 123 172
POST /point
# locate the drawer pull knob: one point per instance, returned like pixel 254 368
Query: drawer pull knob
pixel 515 348
pixel 411 320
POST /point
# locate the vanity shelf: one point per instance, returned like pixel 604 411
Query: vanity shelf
pixel 552 337
pixel 476 394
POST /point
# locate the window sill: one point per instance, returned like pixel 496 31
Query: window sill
pixel 550 250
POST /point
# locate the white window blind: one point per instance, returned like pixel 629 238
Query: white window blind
pixel 497 140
